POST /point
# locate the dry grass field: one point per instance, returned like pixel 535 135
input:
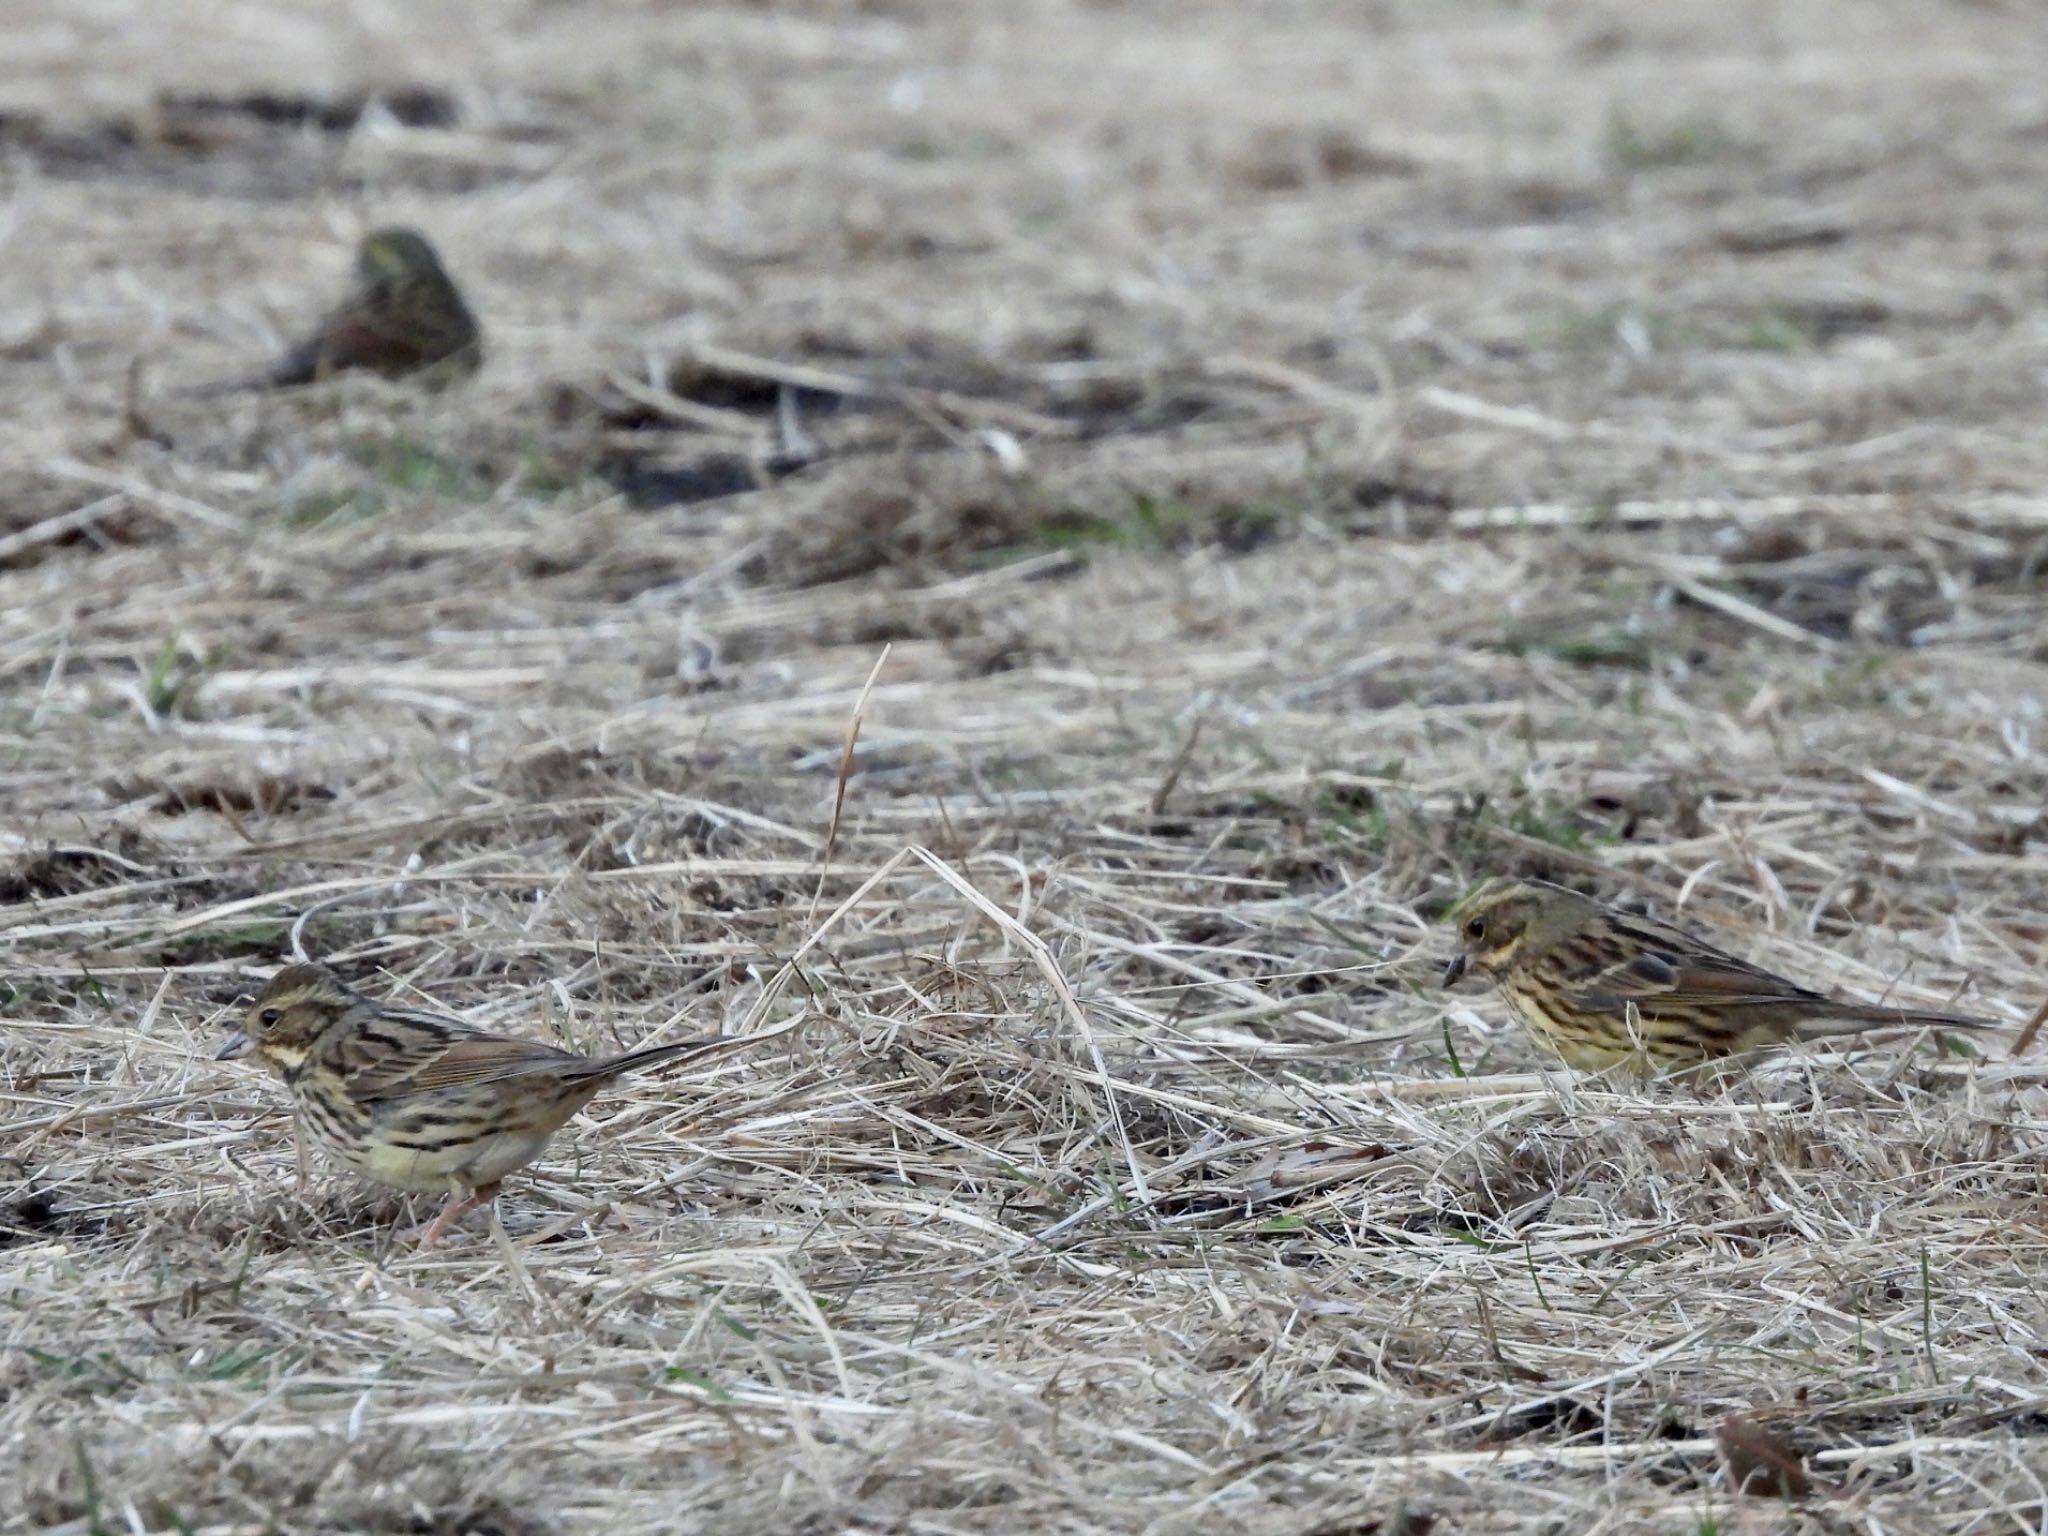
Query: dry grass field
pixel 1289 461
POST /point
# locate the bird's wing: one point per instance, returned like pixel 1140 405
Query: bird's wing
pixel 400 1053
pixel 1673 968
pixel 355 337
pixel 382 327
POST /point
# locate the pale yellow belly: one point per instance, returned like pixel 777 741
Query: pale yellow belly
pixel 1577 1047
pixel 438 1142
pixel 475 1163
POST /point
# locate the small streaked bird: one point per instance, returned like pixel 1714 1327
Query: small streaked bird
pixel 1600 988
pixel 423 1102
pixel 404 317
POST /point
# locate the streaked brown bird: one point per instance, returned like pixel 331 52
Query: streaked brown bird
pixel 405 316
pixel 420 1101
pixel 1600 988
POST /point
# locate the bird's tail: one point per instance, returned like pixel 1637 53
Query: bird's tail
pixel 1856 1018
pixel 693 1051
pixel 299 366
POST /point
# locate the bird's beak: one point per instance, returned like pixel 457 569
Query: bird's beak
pixel 1455 971
pixel 235 1047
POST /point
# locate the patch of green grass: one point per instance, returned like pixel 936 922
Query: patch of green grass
pixel 170 676
pixel 404 465
pixel 1535 1274
pixel 1345 816
pixel 1776 333
pixel 1608 1290
pixel 246 1361
pixel 1075 529
pixel 1162 522
pixel 162 684
pixel 90 1480
pixel 1635 145
pixel 393 469
pixel 1530 823
pixel 544 476
pixel 696 1379
pixel 1160 517
pixel 1615 646
pixel 1118 1200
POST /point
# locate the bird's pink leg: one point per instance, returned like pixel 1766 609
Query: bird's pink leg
pixel 458 1206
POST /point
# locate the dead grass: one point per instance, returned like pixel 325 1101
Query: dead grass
pixel 1300 459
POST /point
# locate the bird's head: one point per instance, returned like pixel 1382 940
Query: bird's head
pixel 396 256
pixel 300 1003
pixel 1503 921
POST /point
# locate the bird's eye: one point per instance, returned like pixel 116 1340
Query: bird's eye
pixel 269 1016
pixel 1476 929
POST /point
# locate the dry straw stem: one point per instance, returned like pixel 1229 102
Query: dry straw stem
pixel 845 768
pixel 1298 460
